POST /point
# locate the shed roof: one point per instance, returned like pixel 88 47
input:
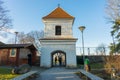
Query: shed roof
pixel 6 46
pixel 1 43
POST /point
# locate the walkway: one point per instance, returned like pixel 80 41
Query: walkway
pixel 59 73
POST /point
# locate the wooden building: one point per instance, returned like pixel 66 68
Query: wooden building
pixel 17 54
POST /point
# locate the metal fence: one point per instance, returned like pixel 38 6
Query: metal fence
pixel 93 51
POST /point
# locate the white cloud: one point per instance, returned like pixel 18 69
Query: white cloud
pixel 8 30
pixel 2 39
pixel 6 35
pixel 12 31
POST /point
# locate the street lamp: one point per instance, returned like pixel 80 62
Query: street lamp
pixel 16 37
pixel 81 28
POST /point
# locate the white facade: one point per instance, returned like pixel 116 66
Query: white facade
pixel 64 42
pixel 67 46
pixel 66 25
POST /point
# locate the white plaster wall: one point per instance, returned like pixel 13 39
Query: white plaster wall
pixel 48 47
pixel 24 53
pixel 66 28
pixel 67 46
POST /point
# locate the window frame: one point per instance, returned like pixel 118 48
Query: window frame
pixel 13 52
pixel 58 30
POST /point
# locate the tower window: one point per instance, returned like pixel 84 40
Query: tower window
pixel 57 30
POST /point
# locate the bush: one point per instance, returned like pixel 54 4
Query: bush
pixel 112 61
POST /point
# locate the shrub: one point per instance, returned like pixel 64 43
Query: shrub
pixel 112 61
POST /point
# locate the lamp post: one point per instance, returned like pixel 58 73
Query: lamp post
pixel 16 33
pixel 81 28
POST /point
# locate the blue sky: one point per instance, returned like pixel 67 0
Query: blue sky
pixel 27 16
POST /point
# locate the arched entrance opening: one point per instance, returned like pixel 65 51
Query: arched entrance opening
pixel 58 58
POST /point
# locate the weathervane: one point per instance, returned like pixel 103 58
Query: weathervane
pixel 58 5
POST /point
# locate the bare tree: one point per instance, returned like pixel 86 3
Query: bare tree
pixel 30 37
pixel 5 21
pixel 21 38
pixel 101 50
pixel 35 35
pixel 113 12
pixel 11 41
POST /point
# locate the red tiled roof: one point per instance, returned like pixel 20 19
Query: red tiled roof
pixel 58 13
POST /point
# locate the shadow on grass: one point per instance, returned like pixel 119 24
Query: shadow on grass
pixel 5 73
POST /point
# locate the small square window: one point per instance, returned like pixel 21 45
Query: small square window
pixel 12 52
pixel 57 30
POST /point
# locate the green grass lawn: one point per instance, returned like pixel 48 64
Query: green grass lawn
pixel 97 65
pixel 5 74
pixel 93 66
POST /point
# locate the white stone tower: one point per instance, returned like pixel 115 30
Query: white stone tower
pixel 58 44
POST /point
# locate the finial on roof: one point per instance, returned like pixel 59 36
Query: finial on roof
pixel 58 5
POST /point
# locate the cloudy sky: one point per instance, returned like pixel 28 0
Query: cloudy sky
pixel 27 16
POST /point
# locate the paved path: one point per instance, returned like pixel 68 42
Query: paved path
pixel 59 73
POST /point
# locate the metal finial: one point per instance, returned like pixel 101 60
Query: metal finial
pixel 58 5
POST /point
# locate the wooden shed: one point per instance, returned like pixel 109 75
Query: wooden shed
pixel 17 54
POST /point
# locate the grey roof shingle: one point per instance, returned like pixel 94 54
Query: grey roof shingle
pixel 17 46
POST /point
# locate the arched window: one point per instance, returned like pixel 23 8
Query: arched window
pixel 57 30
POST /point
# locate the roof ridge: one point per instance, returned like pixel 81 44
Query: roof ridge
pixel 58 13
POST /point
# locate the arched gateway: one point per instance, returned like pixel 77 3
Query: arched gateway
pixel 58 58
